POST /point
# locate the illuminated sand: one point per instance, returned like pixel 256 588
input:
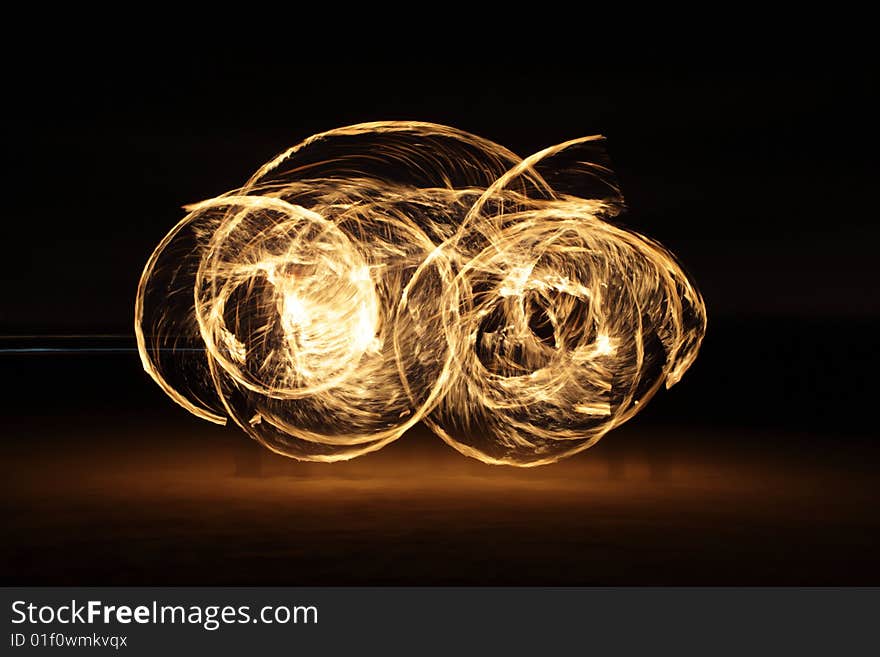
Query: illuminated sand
pixel 161 505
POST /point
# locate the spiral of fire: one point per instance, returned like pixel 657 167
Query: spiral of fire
pixel 387 273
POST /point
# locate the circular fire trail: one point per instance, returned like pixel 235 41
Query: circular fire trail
pixel 383 274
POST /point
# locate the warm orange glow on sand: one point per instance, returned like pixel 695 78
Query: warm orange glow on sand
pixel 381 274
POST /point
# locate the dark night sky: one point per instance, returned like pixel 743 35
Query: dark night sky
pixel 759 176
pixel 759 179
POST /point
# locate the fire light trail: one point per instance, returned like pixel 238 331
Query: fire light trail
pixel 381 274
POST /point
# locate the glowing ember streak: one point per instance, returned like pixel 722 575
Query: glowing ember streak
pixel 381 274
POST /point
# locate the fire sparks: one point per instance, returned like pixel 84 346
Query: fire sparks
pixel 383 274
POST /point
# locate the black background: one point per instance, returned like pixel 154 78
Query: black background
pixel 760 175
pixel 760 178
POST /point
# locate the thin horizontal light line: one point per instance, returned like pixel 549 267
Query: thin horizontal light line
pixel 82 350
pixel 65 336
